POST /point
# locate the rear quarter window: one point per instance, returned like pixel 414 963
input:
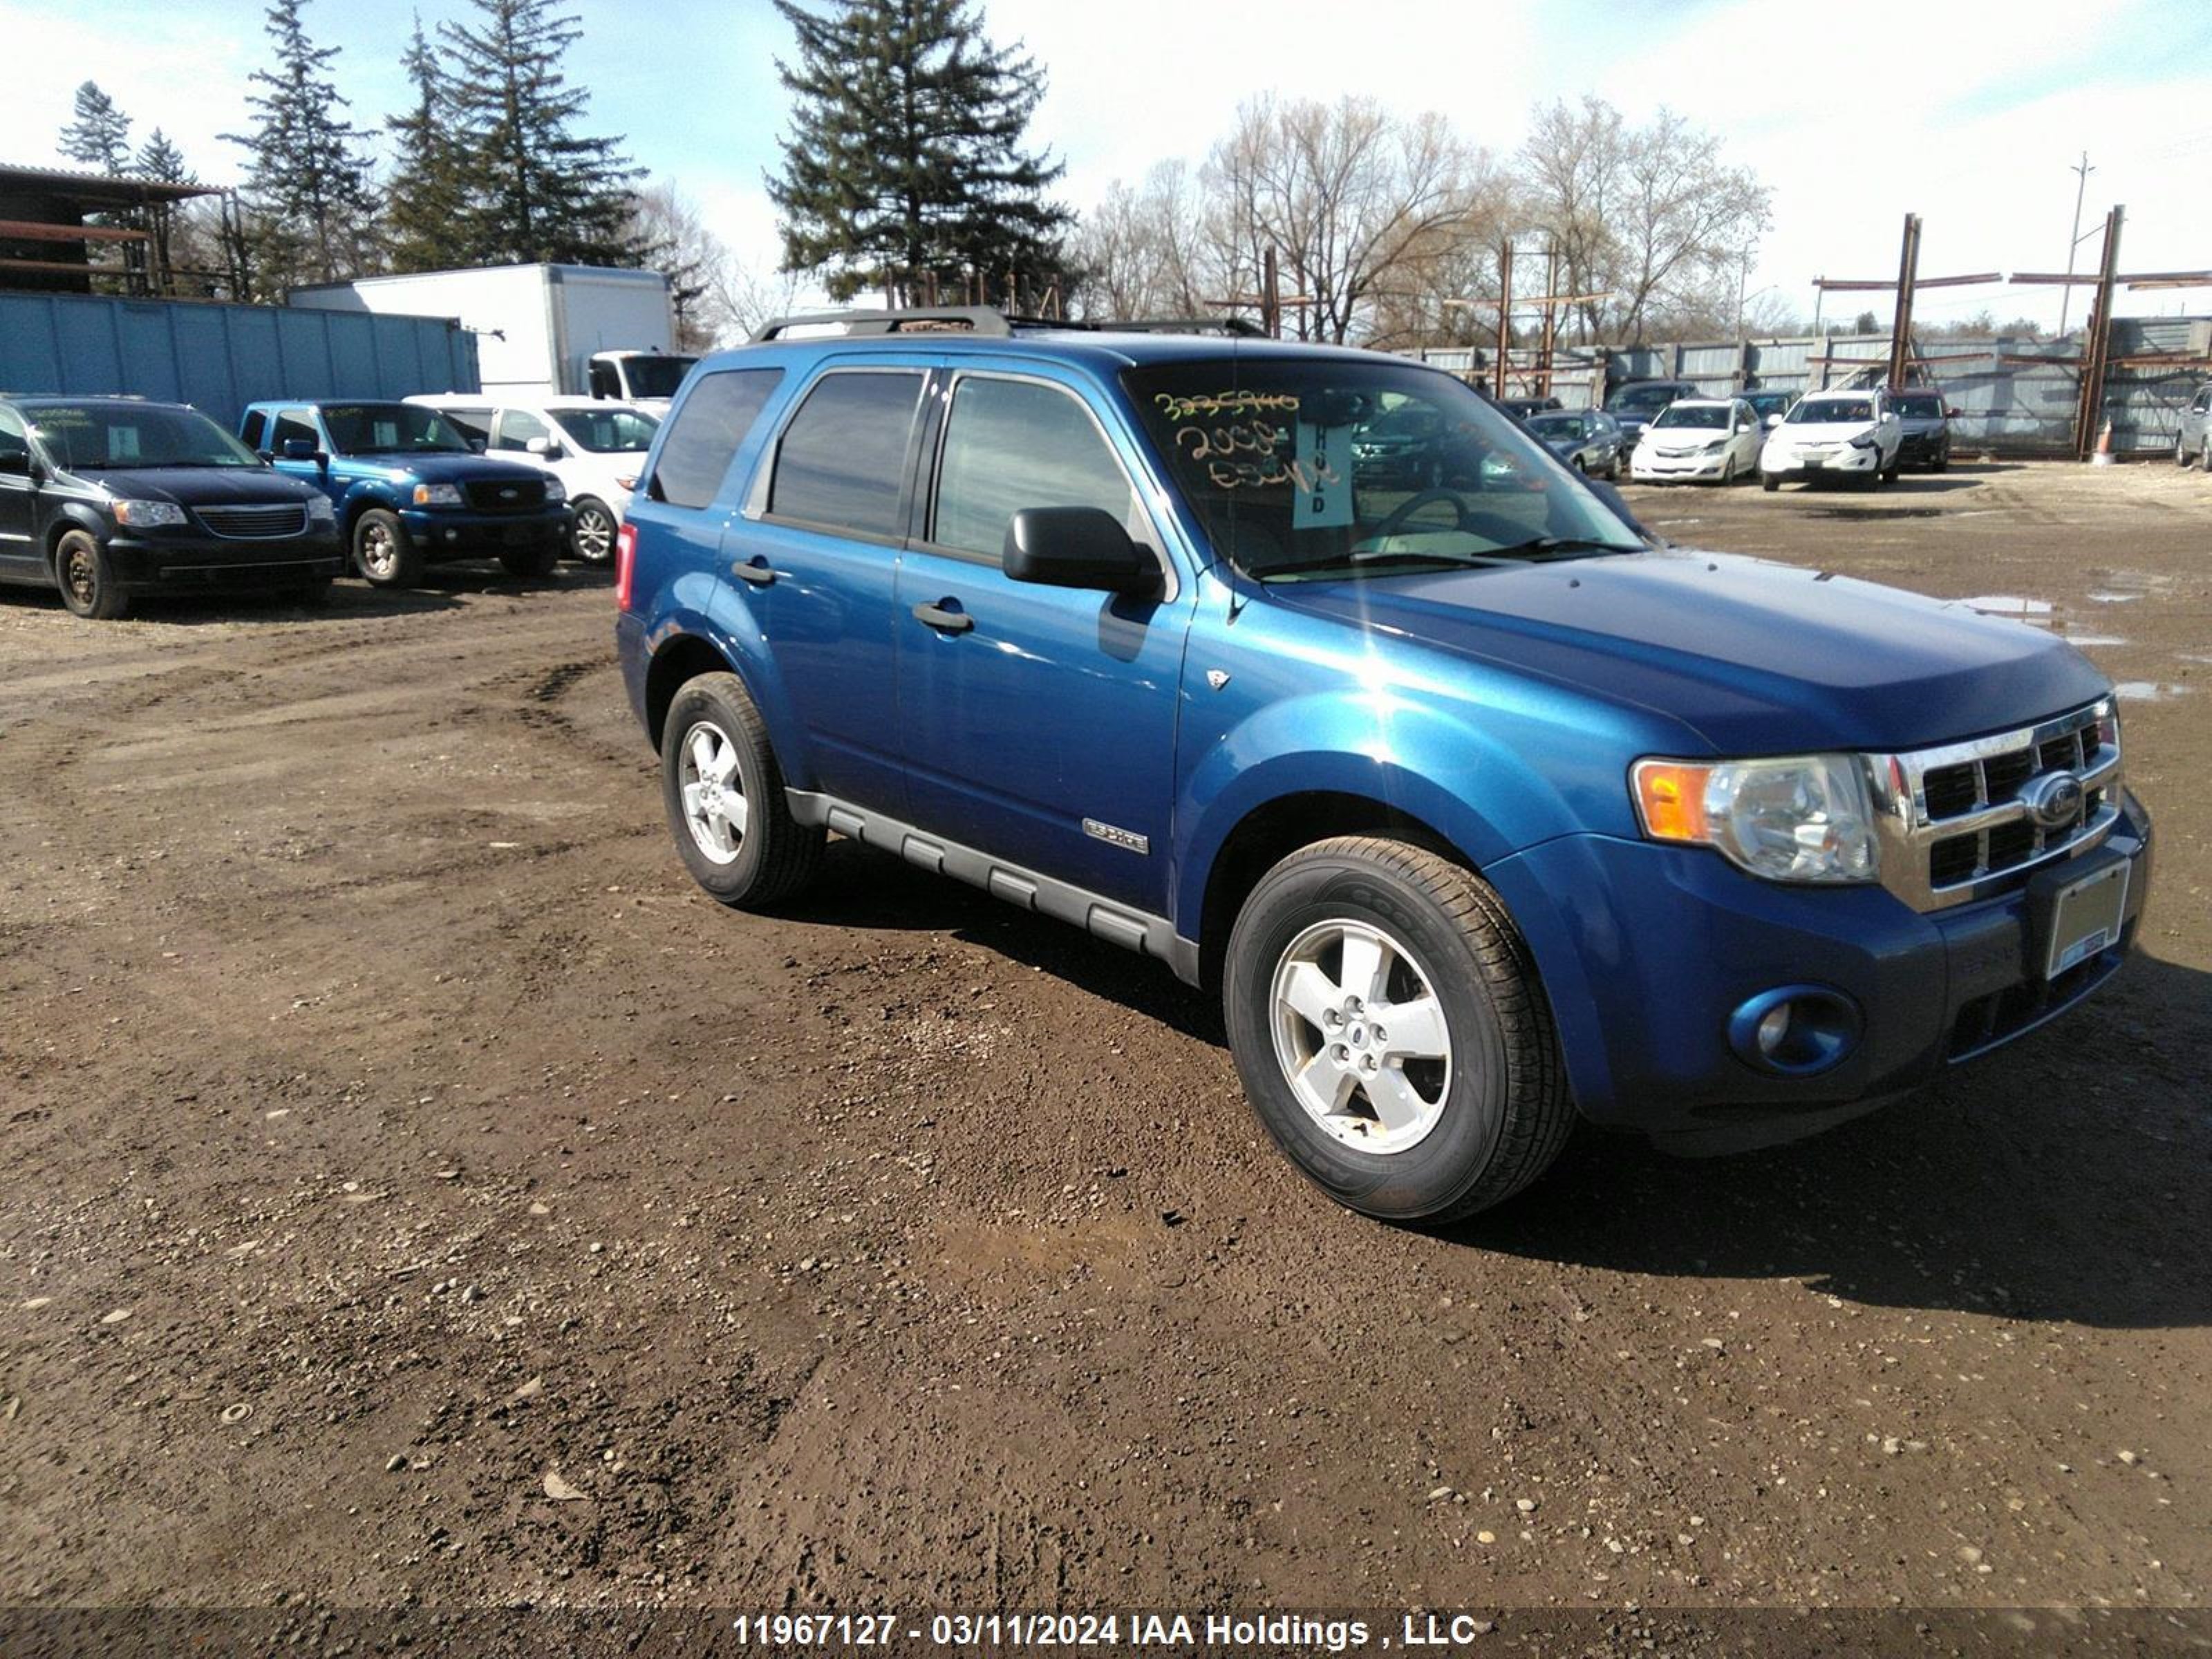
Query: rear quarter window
pixel 256 423
pixel 707 432
pixel 843 461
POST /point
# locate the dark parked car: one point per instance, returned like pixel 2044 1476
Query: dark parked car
pixel 1523 408
pixel 111 498
pixel 407 488
pixel 1638 403
pixel 1769 406
pixel 1406 447
pixel 1927 422
pixel 1587 440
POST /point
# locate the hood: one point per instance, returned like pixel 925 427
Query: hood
pixel 1757 658
pixel 434 466
pixel 1678 440
pixel 199 486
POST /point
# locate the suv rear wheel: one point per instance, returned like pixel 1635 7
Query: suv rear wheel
pixel 724 792
pixel 1385 1017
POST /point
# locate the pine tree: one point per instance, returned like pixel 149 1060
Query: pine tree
pixel 424 201
pixel 536 191
pixel 99 135
pixel 308 189
pixel 905 163
pixel 161 160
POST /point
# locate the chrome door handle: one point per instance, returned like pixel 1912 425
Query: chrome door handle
pixel 948 622
pixel 758 574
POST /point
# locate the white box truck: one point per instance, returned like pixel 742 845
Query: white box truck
pixel 542 331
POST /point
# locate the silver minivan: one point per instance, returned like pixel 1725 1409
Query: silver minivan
pixel 2194 442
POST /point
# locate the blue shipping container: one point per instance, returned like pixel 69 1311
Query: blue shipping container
pixel 219 358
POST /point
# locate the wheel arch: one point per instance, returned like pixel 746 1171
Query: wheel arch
pixel 675 660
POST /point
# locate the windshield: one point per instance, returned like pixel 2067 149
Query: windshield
pixel 1921 408
pixel 1764 403
pixel 92 435
pixel 1713 414
pixel 379 429
pixel 656 376
pixel 1554 428
pixel 1315 468
pixel 1830 411
pixel 608 428
pixel 1645 396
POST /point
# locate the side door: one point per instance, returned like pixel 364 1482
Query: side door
pixel 291 425
pixel 1038 723
pixel 18 548
pixel 814 553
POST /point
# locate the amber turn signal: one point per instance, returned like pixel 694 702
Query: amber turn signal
pixel 1670 796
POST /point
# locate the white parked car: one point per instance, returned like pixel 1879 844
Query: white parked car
pixel 1711 439
pixel 1834 434
pixel 593 446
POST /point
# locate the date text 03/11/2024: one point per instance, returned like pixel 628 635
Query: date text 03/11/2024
pixel 1272 1631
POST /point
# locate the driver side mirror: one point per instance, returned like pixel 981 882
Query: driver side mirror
pixel 1951 414
pixel 544 448
pixel 16 463
pixel 1076 547
pixel 302 449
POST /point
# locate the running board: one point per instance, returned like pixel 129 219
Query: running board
pixel 1102 918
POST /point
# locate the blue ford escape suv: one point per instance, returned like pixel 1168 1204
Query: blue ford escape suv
pixel 1482 810
pixel 408 489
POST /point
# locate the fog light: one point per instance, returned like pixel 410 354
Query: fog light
pixel 1794 1030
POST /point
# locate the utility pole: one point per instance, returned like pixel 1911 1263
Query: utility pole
pixel 1505 312
pixel 1900 328
pixel 2066 294
pixel 2097 349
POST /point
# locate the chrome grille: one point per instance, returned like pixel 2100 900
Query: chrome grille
pixel 248 522
pixel 1954 823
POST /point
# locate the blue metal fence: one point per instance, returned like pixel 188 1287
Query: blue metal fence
pixel 220 358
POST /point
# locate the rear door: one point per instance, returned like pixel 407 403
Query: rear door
pixel 1038 723
pixel 815 557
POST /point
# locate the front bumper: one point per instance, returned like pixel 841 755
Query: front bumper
pixel 1646 467
pixel 1922 448
pixel 456 533
pixel 185 564
pixel 1842 461
pixel 1646 951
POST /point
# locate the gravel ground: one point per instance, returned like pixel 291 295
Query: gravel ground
pixel 417 1193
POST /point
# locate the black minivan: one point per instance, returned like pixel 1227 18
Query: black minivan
pixel 110 499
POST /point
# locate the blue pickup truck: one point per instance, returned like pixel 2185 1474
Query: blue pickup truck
pixel 1483 812
pixel 408 490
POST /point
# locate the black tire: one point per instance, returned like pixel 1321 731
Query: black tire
pixel 1942 463
pixel 2204 455
pixel 1504 1113
pixel 775 856
pixel 537 560
pixel 383 554
pixel 1728 472
pixel 86 579
pixel 592 531
pixel 1769 482
pixel 1889 473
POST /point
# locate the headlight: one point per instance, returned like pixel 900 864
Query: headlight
pixel 555 490
pixel 1866 441
pixel 1715 445
pixel 320 510
pixel 437 495
pixel 1801 818
pixel 145 516
pixel 629 481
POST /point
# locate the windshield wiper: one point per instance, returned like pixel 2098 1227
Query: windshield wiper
pixel 1353 563
pixel 1555 547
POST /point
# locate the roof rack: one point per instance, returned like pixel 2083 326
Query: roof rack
pixel 984 319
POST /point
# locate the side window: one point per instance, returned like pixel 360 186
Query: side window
pixel 696 451
pixel 14 441
pixel 516 427
pixel 843 456
pixel 256 424
pixel 473 424
pixel 2204 401
pixel 1013 444
pixel 604 382
pixel 293 423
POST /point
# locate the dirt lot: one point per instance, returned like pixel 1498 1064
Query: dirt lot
pixel 416 1191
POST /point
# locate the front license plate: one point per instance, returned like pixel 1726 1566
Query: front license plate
pixel 2085 918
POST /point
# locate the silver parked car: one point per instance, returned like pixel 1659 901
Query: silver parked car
pixel 2195 442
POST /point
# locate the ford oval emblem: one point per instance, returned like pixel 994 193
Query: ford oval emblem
pixel 2053 800
pixel 506 494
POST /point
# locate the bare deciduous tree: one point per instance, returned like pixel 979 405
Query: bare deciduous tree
pixel 718 301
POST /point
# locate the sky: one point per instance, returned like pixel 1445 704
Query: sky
pixel 1971 114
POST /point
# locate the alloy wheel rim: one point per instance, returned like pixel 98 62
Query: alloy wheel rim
pixel 83 575
pixel 714 807
pixel 1361 1036
pixel 595 535
pixel 378 554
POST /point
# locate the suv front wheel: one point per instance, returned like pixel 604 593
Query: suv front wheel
pixel 724 792
pixel 1386 1018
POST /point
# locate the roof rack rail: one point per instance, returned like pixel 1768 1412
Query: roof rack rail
pixel 919 319
pixel 985 320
